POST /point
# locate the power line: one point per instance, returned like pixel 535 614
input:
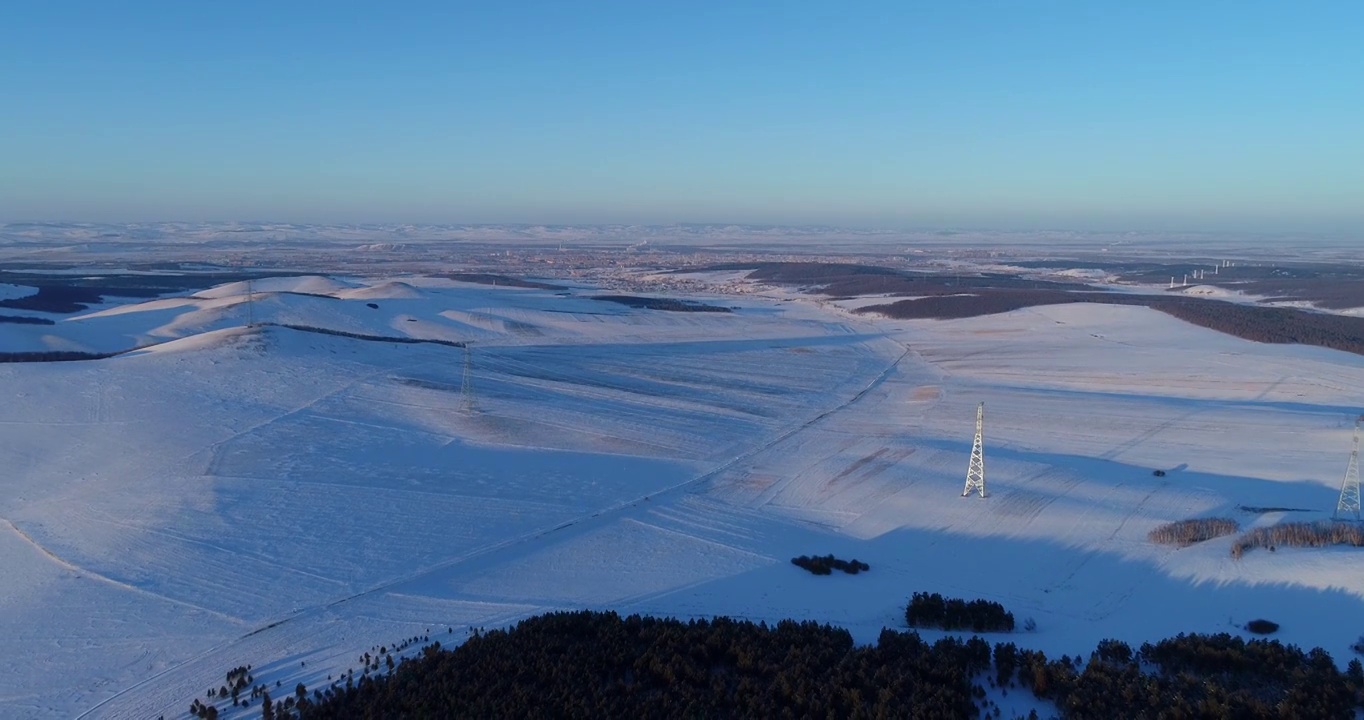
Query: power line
pixel 466 389
pixel 250 304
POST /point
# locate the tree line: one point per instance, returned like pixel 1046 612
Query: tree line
pixel 927 610
pixel 591 664
pixel 1299 534
pixel 1189 532
pixel 1249 322
pixel 599 664
pixel 26 320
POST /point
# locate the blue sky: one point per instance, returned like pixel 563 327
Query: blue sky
pixel 1014 114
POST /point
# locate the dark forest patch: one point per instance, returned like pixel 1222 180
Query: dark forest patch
pixel 65 294
pixel 945 296
pixel 932 610
pixel 55 356
pixel 500 280
pixel 826 564
pixel 593 664
pixel 362 336
pixel 1249 322
pixel 1300 534
pixel 589 664
pixel 847 279
pixel 60 299
pixel 25 320
pixel 668 304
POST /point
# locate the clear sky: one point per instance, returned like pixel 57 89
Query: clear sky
pixel 1202 114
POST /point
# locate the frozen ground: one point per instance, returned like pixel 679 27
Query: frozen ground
pixel 292 499
pixel 9 291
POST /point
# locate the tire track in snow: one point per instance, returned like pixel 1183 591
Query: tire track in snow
pixel 214 450
pixel 577 526
pixel 85 572
pixel 591 520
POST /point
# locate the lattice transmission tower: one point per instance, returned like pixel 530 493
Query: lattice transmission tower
pixel 975 472
pixel 250 304
pixel 1347 508
pixel 466 388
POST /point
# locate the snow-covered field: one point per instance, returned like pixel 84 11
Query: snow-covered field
pixel 9 291
pixel 291 499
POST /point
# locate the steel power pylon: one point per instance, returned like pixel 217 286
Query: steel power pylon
pixel 975 472
pixel 466 389
pixel 1347 508
pixel 250 304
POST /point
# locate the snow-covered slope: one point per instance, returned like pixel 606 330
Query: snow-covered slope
pixel 290 499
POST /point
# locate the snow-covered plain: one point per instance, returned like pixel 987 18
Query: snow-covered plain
pixel 290 499
pixel 9 291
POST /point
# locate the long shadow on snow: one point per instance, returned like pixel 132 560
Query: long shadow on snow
pixel 1109 474
pixel 1200 404
pixel 711 347
pixel 1077 596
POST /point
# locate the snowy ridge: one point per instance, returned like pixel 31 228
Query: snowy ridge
pixel 262 495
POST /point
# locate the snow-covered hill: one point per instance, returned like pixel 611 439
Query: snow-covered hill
pixel 290 499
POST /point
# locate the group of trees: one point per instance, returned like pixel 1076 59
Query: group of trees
pixel 1212 676
pixel 279 706
pixel 362 336
pixel 500 280
pixel 944 296
pixel 670 304
pixel 236 680
pixel 850 279
pixel 826 564
pixel 65 298
pixel 1300 534
pixel 1270 324
pixel 934 611
pixel 53 356
pixel 1250 322
pixel 589 664
pixel 1189 532
pixel 284 709
pixel 979 302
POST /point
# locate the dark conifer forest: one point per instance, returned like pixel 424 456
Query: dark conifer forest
pixel 947 296
pixel 601 665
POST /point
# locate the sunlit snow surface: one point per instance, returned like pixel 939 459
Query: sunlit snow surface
pixel 279 497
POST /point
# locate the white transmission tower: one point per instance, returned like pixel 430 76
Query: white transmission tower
pixel 250 305
pixel 975 472
pixel 1347 508
pixel 466 389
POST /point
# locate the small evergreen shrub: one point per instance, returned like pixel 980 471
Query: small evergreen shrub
pixel 826 564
